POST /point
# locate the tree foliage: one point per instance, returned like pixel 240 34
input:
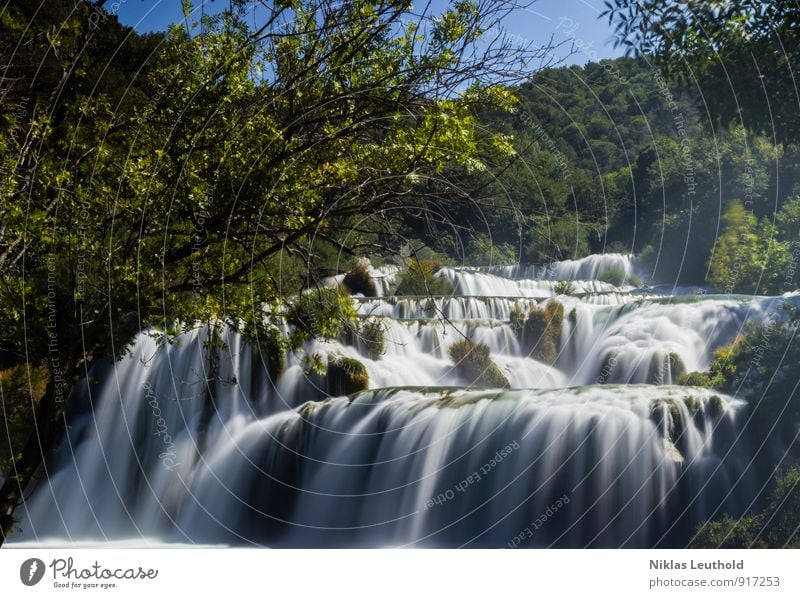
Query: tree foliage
pixel 741 54
pixel 194 175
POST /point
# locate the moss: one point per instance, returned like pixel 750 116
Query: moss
pixel 676 365
pixel 542 331
pixel 692 404
pixel 358 280
pixel 674 428
pixel 716 406
pixel 474 362
pixel 346 375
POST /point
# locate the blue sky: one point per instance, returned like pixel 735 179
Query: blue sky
pixel 567 20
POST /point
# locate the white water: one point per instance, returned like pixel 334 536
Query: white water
pixel 151 454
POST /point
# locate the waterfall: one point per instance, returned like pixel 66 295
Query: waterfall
pixel 185 442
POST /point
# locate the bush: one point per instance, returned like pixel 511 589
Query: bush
pixel 346 375
pixel 541 331
pixel 482 251
pixel 418 279
pixel 748 258
pixel 373 338
pixel 613 276
pixel 777 526
pixel 23 386
pixel 320 313
pixel 474 362
pixel 702 379
pixel 761 366
pixel 564 287
pixel 270 343
pixel 358 280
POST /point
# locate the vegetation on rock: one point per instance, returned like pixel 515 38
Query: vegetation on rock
pixel 540 332
pixel 346 375
pixel 419 279
pixel 474 362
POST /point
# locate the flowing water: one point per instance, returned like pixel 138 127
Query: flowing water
pixel 182 443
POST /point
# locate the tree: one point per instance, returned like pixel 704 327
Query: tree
pixel 201 188
pixel 748 257
pixel 742 54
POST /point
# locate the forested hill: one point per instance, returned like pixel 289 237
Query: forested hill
pixel 612 157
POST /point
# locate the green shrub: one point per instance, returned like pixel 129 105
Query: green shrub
pixel 320 313
pixel 760 366
pixel 372 334
pixel 564 287
pixel 702 379
pixel 270 343
pixel 346 375
pixel 358 280
pixel 777 526
pixel 418 279
pixel 614 276
pixel 474 362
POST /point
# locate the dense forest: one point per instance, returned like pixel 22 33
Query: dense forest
pixel 612 157
pixel 215 170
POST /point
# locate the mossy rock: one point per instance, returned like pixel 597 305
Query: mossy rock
pixel 573 316
pixel 541 331
pixel 674 428
pixel 716 406
pixel 693 404
pixel 518 318
pixel 346 375
pixel 665 370
pixel 474 362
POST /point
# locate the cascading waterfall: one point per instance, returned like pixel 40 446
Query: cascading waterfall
pixel 185 442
